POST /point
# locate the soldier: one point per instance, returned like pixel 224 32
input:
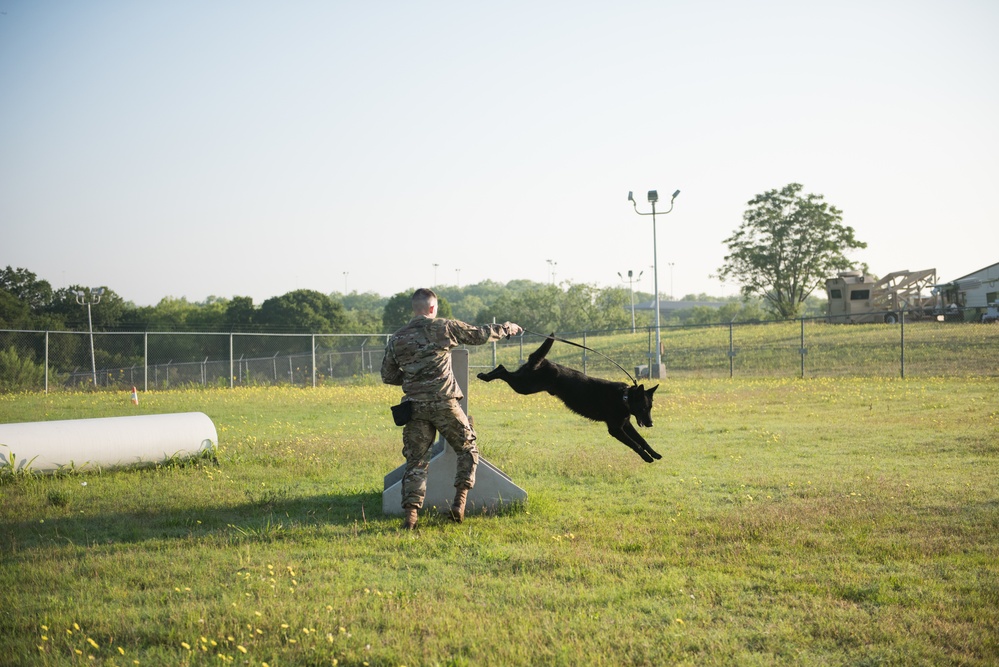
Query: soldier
pixel 418 357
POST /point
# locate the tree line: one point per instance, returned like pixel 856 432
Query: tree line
pixel 788 243
pixel 29 302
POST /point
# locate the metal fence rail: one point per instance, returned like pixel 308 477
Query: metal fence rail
pixel 47 360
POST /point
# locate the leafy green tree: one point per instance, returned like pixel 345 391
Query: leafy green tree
pixel 614 305
pixel 25 286
pixel 14 313
pixel 239 313
pixel 787 245
pixel 303 311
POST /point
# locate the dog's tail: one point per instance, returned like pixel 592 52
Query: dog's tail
pixel 551 338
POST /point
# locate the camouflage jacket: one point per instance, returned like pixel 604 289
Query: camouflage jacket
pixel 418 356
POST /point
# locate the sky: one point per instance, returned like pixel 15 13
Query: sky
pixel 191 149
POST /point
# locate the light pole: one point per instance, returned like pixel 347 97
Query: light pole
pixel 457 273
pixel 631 288
pixel 435 274
pixel 551 269
pixel 658 371
pixel 672 296
pixel 345 274
pixel 95 298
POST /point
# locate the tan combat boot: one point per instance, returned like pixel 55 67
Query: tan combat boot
pixel 458 506
pixel 409 523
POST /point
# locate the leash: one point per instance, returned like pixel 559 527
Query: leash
pixel 588 349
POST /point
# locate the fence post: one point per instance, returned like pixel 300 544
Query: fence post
pixel 494 346
pixel 313 361
pixel 801 350
pixel 584 353
pixel 145 361
pixel 232 373
pixel 901 320
pixel 46 362
pixel 731 352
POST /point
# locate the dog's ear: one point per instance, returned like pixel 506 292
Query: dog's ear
pixel 652 391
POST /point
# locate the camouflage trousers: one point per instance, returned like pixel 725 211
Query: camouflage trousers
pixel 449 419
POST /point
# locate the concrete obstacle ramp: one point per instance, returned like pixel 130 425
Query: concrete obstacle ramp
pixel 106 442
pixel 492 487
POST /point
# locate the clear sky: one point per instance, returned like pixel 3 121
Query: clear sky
pixel 243 148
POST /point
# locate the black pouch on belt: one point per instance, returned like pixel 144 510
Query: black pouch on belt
pixel 402 413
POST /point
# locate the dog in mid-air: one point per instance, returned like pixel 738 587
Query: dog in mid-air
pixel 613 403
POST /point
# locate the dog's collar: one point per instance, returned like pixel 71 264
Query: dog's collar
pixel 625 397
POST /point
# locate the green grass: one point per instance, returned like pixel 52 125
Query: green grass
pixel 818 521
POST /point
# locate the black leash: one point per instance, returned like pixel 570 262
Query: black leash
pixel 588 349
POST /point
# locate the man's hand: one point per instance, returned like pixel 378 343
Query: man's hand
pixel 512 329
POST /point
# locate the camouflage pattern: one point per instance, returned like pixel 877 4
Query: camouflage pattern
pixel 418 435
pixel 418 357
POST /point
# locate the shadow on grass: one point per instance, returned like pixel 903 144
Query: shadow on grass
pixel 258 520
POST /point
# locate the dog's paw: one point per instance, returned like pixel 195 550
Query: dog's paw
pixel 483 377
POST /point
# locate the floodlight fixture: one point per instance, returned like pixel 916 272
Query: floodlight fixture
pixel 657 371
pixel 95 298
pixel 631 288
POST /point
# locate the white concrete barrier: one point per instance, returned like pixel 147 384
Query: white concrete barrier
pixel 106 442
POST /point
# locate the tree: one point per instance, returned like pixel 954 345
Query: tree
pixel 239 313
pixel 302 311
pixel 787 245
pixel 27 288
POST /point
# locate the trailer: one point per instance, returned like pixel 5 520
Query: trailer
pixel 855 296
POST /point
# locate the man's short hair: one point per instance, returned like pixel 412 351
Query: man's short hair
pixel 423 297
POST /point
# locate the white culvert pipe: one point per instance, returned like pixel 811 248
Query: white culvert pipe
pixel 105 442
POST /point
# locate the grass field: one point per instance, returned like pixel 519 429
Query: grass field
pixel 821 521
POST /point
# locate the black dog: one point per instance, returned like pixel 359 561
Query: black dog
pixel 600 400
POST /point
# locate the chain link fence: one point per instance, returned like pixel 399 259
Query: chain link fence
pixel 50 360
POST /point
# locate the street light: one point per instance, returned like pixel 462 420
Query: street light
pixel 631 282
pixel 653 197
pixel 551 268
pixel 95 298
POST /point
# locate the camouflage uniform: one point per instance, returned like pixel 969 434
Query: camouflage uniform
pixel 418 357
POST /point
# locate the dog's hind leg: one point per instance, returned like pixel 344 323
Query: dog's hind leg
pixel 637 437
pixel 619 432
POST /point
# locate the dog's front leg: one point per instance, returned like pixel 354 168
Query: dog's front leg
pixel 619 432
pixel 637 437
pixel 498 373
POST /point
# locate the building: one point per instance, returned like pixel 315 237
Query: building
pixel 973 292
